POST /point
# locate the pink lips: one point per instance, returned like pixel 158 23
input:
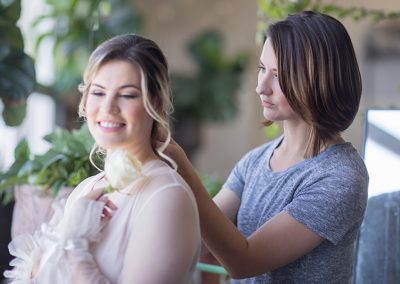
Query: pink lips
pixel 266 104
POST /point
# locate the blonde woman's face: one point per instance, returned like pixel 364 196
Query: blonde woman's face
pixel 116 116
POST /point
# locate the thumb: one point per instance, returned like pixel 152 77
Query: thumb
pixel 95 193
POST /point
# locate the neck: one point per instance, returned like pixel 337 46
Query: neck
pixel 297 138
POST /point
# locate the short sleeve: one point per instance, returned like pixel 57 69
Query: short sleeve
pixel 236 179
pixel 246 168
pixel 332 204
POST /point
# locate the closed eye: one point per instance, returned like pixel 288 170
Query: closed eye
pixel 261 68
pixel 97 93
pixel 129 96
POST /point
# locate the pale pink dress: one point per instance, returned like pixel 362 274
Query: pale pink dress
pixel 163 208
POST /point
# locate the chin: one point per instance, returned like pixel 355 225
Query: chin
pixel 108 146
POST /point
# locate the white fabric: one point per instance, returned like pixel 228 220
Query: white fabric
pixel 154 231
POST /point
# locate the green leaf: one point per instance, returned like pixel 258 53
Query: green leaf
pixel 11 11
pixel 77 176
pixel 14 112
pixel 13 36
pixel 21 154
pixel 17 76
pixel 4 47
pixel 7 196
pixel 22 151
pixel 56 158
pixel 11 181
pixel 56 187
pixel 29 167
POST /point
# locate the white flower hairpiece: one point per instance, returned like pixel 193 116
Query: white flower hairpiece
pixel 121 169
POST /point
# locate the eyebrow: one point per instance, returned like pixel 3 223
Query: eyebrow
pixel 121 87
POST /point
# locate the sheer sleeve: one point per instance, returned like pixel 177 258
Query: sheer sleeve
pixel 62 250
pixel 166 240
pixel 78 230
pixel 27 249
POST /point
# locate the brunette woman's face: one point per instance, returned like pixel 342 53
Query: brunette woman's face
pixel 116 116
pixel 273 101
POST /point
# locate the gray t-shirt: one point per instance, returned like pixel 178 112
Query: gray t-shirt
pixel 327 194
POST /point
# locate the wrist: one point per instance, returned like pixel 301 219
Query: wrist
pixel 76 244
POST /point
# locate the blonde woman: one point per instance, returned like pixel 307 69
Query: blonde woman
pixel 137 221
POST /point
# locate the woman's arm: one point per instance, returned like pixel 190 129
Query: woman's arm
pixel 80 228
pixel 278 242
pixel 60 249
pixel 165 241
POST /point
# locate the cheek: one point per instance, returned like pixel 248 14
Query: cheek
pixel 91 111
pixel 91 105
pixel 137 115
pixel 144 119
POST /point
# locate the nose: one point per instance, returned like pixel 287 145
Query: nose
pixel 264 84
pixel 110 105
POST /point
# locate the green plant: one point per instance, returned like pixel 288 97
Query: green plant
pixel 207 95
pixel 77 28
pixel 66 163
pixel 212 183
pixel 17 72
pixel 278 9
pixel 210 93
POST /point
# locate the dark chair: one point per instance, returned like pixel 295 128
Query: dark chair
pixel 377 257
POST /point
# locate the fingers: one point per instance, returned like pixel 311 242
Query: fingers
pixel 95 194
pixel 109 208
pixel 110 204
pixel 106 215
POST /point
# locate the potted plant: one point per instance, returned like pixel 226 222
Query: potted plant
pixel 37 180
pixel 17 81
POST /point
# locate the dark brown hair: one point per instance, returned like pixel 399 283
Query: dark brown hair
pixel 318 73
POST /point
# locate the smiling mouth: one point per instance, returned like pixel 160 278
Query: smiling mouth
pixel 110 125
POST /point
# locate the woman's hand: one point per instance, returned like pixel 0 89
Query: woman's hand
pixel 176 153
pixel 97 194
pixel 87 216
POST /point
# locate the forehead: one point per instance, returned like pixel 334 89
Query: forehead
pixel 117 72
pixel 268 54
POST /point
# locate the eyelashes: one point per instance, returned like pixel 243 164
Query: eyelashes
pixel 98 94
pixel 125 96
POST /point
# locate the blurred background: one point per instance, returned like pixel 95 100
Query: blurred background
pixel 213 49
pixel 206 42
